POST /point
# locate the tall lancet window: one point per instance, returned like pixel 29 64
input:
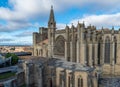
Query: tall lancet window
pixel 99 50
pixel 62 80
pixel 50 82
pixel 80 82
pixel 107 50
pixel 115 49
pixel 99 53
pixel 93 56
pixel 87 55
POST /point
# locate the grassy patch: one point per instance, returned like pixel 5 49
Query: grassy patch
pixel 6 75
pixel 23 85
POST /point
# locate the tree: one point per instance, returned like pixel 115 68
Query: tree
pixel 8 55
pixel 14 58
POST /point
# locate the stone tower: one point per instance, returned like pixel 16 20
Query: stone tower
pixel 51 33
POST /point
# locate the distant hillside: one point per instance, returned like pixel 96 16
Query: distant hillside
pixel 16 45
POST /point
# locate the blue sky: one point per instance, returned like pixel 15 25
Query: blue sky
pixel 20 18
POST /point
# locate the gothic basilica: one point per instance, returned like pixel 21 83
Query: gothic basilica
pixel 77 56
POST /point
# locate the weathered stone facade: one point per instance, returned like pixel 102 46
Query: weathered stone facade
pixel 88 46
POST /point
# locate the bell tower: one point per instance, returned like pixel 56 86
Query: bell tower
pixel 51 33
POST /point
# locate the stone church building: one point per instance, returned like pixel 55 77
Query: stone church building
pixel 90 56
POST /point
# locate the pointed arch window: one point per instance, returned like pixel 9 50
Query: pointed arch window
pixel 107 50
pixel 50 82
pixel 69 83
pixel 59 48
pixel 62 79
pixel 37 53
pixel 99 53
pixel 80 82
pixel 93 56
pixel 99 50
pixel 87 55
pixel 115 49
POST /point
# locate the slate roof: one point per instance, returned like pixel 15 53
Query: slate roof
pixel 69 65
pixel 60 63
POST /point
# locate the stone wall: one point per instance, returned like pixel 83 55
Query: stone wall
pixel 16 81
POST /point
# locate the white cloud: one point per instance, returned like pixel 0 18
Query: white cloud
pixel 27 9
pixel 21 13
pixel 100 20
pixel 61 26
pixel 10 40
pixel 15 26
pixel 25 34
pixel 106 20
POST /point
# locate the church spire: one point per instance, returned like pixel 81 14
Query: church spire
pixel 51 17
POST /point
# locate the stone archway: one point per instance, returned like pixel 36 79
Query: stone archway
pixel 59 48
